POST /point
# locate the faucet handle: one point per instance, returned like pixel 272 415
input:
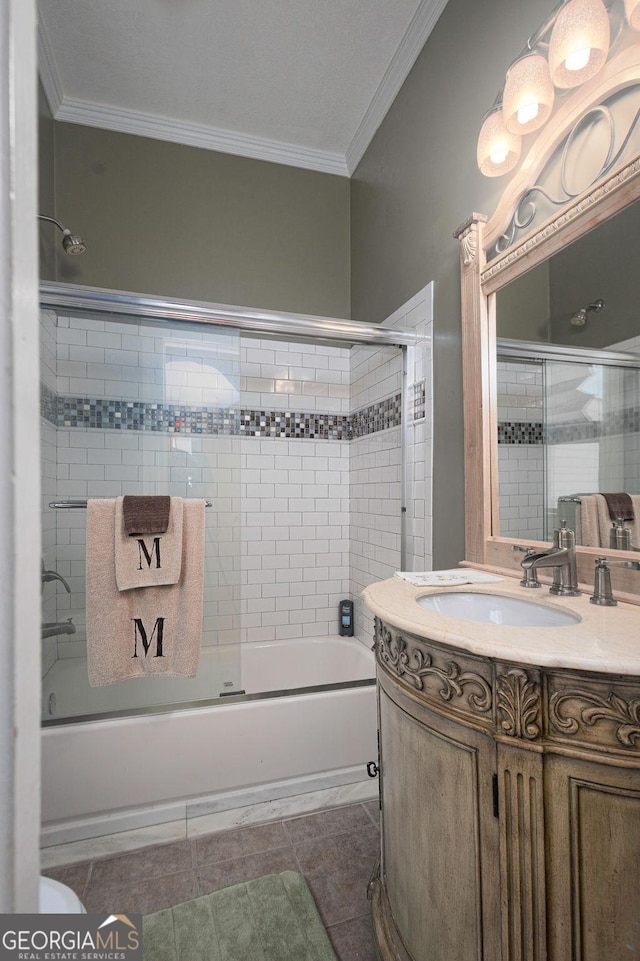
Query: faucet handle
pixel 530 575
pixel 602 593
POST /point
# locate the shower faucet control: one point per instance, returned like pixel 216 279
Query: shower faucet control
pixel 54 576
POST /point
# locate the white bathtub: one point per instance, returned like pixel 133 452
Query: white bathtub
pixel 109 769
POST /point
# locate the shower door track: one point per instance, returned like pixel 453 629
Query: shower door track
pixel 266 322
pixel 530 350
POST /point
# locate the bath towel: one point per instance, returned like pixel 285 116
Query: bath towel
pixel 145 515
pixel 150 559
pixel 148 632
pixel 620 506
pixel 593 523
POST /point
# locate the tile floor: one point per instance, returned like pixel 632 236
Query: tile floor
pixel 335 850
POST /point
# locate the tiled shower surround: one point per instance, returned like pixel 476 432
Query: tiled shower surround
pixel 589 443
pixel 297 446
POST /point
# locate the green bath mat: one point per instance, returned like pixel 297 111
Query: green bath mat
pixel 271 919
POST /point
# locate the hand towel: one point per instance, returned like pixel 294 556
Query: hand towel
pixel 620 506
pixel 150 632
pixel 145 515
pixel 593 521
pixel 150 558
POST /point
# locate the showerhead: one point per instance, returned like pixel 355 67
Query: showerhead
pixel 579 318
pixel 71 243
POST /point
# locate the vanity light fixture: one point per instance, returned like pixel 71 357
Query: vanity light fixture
pixel 528 94
pixel 632 11
pixel 579 42
pixel 498 149
pixel 72 244
pixel 569 48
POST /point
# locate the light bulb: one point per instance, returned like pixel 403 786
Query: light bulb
pixel 528 94
pixel 578 60
pixel 579 42
pixel 498 150
pixel 527 113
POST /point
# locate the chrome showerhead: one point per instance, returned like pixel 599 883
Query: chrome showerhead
pixel 71 243
pixel 579 318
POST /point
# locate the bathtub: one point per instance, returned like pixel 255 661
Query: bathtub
pixel 308 717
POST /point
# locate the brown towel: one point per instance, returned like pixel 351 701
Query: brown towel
pixel 152 631
pixel 620 506
pixel 145 515
pixel 149 559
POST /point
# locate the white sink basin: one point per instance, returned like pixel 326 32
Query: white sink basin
pixel 497 609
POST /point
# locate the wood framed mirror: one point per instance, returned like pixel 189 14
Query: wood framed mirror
pixel 580 171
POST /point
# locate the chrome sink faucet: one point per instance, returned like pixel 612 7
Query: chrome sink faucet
pixel 561 558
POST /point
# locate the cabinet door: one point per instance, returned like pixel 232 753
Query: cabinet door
pixel 593 857
pixel 437 817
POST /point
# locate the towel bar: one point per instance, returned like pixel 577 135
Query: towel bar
pixel 83 503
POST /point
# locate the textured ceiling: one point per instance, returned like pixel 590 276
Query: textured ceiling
pixel 293 72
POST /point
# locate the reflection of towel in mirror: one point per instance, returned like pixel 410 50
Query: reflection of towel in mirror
pixel 149 631
pixel 149 559
pixel 593 523
pixel 620 507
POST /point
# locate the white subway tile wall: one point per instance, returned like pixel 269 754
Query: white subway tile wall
pixel 520 464
pixel 284 543
pixel 376 480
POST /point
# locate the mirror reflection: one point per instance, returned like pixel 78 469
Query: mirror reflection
pixel 568 392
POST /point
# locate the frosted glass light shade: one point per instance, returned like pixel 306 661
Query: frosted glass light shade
pixel 528 95
pixel 498 150
pixel 632 10
pixel 579 42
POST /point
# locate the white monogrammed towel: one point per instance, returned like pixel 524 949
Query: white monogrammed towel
pixel 152 631
pixel 145 560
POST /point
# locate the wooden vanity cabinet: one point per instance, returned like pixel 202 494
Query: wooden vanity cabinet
pixel 510 826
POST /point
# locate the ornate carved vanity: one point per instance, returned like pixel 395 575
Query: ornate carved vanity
pixel 510 757
pixel 510 792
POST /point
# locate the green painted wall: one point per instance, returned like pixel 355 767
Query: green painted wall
pixel 165 219
pixel 416 183
pixel 49 235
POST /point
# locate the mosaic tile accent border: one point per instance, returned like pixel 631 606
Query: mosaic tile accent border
pixel 288 424
pixel 48 404
pixel 107 414
pixel 622 422
pixel 381 416
pixel 520 432
pixel 418 400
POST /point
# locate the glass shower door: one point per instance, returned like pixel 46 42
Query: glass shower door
pixel 132 405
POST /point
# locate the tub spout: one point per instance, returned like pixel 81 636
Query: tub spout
pixel 52 629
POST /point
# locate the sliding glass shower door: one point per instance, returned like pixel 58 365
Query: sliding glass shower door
pixel 136 406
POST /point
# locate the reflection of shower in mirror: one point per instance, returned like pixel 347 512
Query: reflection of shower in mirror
pixel 579 318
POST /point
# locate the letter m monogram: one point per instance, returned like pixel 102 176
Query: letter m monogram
pixel 139 631
pixel 148 555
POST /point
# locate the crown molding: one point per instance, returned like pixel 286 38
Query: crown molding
pixel 199 135
pixel 49 75
pixel 228 141
pixel 417 34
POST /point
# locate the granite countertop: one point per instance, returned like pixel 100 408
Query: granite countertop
pixel 606 640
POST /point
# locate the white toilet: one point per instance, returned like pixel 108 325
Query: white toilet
pixel 57 898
